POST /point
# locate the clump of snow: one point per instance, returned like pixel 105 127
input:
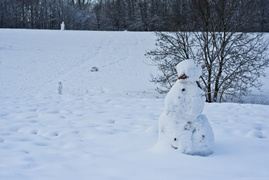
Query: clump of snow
pixel 182 125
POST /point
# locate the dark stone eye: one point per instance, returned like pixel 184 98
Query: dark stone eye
pixel 175 139
pixel 183 89
pixel 185 77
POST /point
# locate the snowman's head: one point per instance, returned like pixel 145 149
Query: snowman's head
pixel 188 71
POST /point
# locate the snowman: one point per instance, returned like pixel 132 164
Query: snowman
pixel 59 88
pixel 62 26
pixel 181 125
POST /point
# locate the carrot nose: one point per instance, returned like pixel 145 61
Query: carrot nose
pixel 182 77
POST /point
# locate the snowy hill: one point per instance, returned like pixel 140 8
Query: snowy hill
pixel 33 62
pixel 105 124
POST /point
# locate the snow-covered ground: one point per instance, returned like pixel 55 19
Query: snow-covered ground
pixel 105 124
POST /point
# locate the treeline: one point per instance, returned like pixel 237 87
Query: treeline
pixel 118 15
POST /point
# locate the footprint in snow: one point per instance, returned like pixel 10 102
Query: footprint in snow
pixel 34 131
pixel 24 151
pixel 76 132
pixel 40 144
pixel 33 109
pixel 14 129
pixel 3 114
pixel 54 134
pixel 53 112
pixel 33 121
pixel 111 121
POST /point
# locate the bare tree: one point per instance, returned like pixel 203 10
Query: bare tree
pixel 232 61
pixel 172 48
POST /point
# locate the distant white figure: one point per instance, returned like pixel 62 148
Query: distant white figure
pixel 59 88
pixel 182 126
pixel 62 26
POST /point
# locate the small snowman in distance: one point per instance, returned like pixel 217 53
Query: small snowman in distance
pixel 62 26
pixel 59 88
pixel 181 125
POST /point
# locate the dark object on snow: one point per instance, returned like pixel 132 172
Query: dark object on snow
pixel 94 69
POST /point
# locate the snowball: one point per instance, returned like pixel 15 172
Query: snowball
pixel 191 70
pixel 255 134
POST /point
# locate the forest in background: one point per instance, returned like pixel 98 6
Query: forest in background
pixel 119 15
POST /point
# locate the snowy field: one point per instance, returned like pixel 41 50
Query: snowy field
pixel 105 123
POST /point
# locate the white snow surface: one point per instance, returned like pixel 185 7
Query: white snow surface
pixel 105 123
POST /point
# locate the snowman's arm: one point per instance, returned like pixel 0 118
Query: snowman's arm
pixel 199 85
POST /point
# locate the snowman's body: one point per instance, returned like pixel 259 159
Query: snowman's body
pixel 182 125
